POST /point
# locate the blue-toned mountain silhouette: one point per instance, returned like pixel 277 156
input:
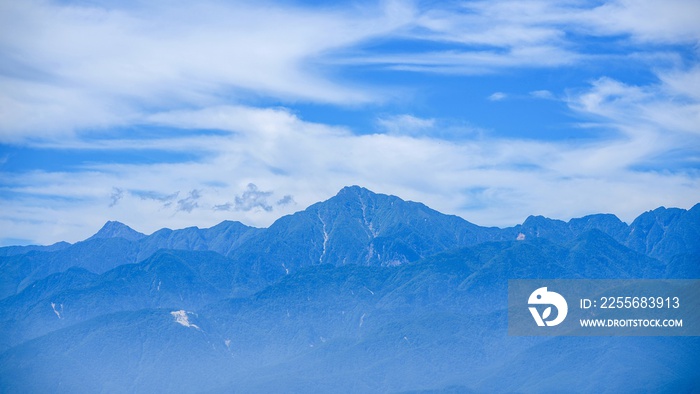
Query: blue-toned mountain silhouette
pixel 363 292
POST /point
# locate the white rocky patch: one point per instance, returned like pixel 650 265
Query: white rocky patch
pixel 393 263
pixel 325 239
pixel 57 311
pixel 182 318
pixel 367 223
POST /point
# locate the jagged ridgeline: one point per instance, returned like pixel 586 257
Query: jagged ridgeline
pixel 363 292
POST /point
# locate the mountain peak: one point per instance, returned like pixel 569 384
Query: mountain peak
pixel 354 190
pixel 114 229
pixel 363 195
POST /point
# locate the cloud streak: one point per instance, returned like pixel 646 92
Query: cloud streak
pixel 86 67
pixel 484 37
pixel 89 66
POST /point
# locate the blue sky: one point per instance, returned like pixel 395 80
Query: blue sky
pixel 174 114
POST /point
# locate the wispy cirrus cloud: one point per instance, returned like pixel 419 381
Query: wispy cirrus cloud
pixel 671 107
pixel 483 37
pixel 655 127
pixel 91 66
pixel 673 21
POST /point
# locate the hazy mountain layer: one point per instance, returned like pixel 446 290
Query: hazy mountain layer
pixel 361 293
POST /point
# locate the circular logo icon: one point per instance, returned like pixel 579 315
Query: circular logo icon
pixel 543 297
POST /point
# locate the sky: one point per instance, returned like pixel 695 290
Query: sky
pixel 179 113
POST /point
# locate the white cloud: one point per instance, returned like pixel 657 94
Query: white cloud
pixel 530 22
pixel 671 107
pixel 542 94
pixel 683 83
pixel 472 62
pixel 497 96
pixel 83 66
pixel 672 21
pixel 508 178
pixel 405 124
pixel 78 66
pixel 487 36
pixel 88 67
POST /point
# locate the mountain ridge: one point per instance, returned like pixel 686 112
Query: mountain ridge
pixel 361 292
pixel 356 226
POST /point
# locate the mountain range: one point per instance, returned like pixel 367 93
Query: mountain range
pixel 363 292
